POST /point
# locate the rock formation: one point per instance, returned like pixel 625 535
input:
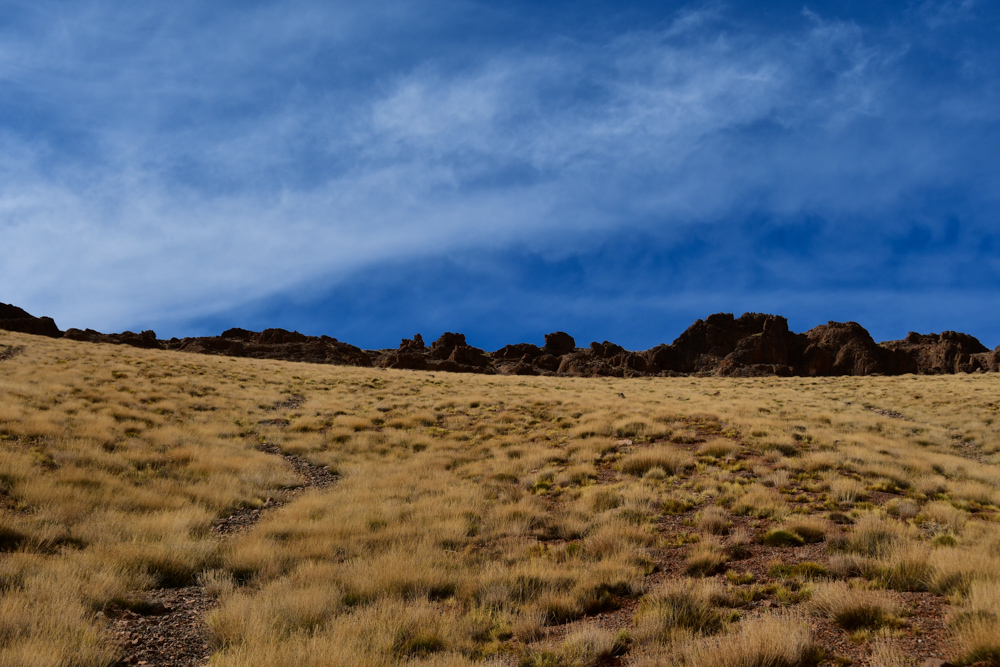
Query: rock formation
pixel 13 318
pixel 754 344
pixel 146 339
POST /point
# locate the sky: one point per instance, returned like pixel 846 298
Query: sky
pixel 615 170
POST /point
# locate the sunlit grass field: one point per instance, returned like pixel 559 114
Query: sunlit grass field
pixel 500 519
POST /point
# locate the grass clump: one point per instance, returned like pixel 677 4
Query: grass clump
pixel 976 625
pixel 679 605
pixel 759 501
pixel 810 529
pixel 672 461
pixel 874 537
pixel 587 647
pixel 781 537
pixel 705 559
pixel 714 521
pixel 719 448
pixel 767 641
pixel 853 608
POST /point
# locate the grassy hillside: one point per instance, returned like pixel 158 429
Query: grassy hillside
pixel 535 521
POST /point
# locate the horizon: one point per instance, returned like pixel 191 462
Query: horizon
pixel 615 171
pixel 430 338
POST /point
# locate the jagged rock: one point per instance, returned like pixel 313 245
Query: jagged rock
pixel 416 344
pixel 237 334
pixel 842 348
pixel 517 351
pixel 18 320
pixel 662 358
pixel 446 344
pixel 703 345
pixel 931 354
pixel 276 344
pixel 466 355
pixel 278 337
pixel 752 345
pixel 146 339
pixel 404 359
pixel 226 346
pixel 547 362
pixel 517 368
pixel 605 350
pixel 559 343
pixel 629 361
pixel 775 345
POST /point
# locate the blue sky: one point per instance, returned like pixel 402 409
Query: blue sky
pixel 611 169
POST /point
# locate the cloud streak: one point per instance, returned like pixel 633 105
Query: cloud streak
pixel 161 165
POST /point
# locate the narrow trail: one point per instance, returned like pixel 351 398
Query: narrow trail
pixel 9 352
pixel 169 629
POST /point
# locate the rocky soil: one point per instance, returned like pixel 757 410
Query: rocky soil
pixel 754 344
pixel 168 628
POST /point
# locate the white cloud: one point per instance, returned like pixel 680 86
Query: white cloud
pixel 175 168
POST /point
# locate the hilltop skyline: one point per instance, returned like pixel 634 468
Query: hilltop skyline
pixel 612 171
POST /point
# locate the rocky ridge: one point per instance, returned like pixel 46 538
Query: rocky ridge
pixel 754 344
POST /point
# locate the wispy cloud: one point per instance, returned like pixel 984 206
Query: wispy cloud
pixel 182 159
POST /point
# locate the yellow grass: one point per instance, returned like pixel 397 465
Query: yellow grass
pixel 476 514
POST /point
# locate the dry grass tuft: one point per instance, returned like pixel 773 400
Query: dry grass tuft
pixel 672 461
pixel 887 654
pixel 977 625
pixel 771 641
pixel 706 558
pixel 679 605
pixel 714 521
pixel 854 608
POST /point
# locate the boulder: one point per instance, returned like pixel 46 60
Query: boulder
pixel 517 351
pixel 931 354
pixel 405 359
pixel 445 345
pixel 774 345
pixel 606 350
pixel 237 334
pixel 547 362
pixel 19 320
pixel 841 348
pixel 278 337
pixel 559 343
pixel 703 345
pixel 146 339
pixel 416 343
pixel 466 355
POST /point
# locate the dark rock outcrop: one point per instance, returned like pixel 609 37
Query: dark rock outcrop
pixel 707 343
pixel 932 354
pixel 841 348
pixel 18 320
pixel 416 344
pixel 446 344
pixel 754 344
pixel 559 343
pixel 146 339
pixel 275 344
pixel 518 351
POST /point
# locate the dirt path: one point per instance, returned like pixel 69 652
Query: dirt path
pixel 9 352
pixel 169 629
